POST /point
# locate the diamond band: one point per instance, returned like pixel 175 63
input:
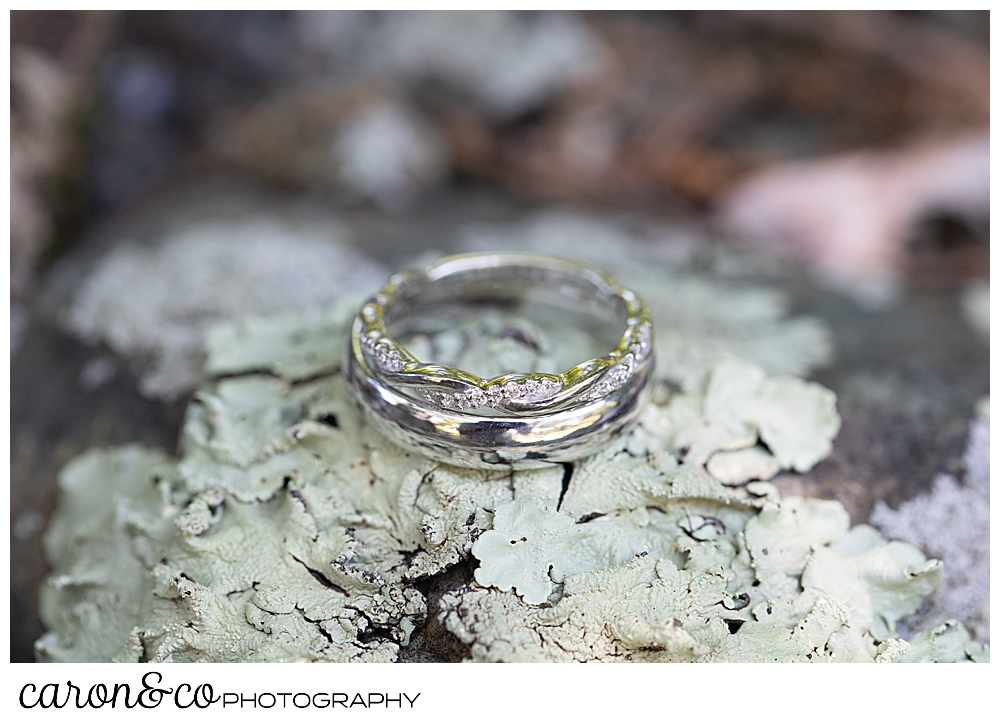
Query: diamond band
pixel 496 395
pixel 517 420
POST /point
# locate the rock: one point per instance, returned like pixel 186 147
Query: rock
pixel 289 530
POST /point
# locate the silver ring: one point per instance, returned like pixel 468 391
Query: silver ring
pixel 515 421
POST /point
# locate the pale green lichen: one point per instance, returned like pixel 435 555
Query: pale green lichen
pixel 743 465
pixel 531 546
pixel 753 580
pixel 294 347
pixel 735 408
pixel 735 404
pixel 116 510
pixel 288 529
pixel 948 642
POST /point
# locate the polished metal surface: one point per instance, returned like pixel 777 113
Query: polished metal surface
pixel 524 420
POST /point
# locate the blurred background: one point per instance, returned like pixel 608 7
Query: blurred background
pixel 174 169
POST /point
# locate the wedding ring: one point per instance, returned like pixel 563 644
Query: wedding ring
pixel 519 420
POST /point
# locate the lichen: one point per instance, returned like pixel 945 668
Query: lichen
pixel 743 465
pixel 531 546
pixel 115 511
pixel 293 347
pixel 952 522
pixel 153 303
pixel 751 581
pixel 288 529
pixel 735 402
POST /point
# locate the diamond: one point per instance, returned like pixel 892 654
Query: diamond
pixel 617 376
pixel 394 362
pixel 368 342
pixel 640 343
pixel 387 357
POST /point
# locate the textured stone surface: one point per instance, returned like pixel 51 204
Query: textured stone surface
pixel 906 379
pixel 288 530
